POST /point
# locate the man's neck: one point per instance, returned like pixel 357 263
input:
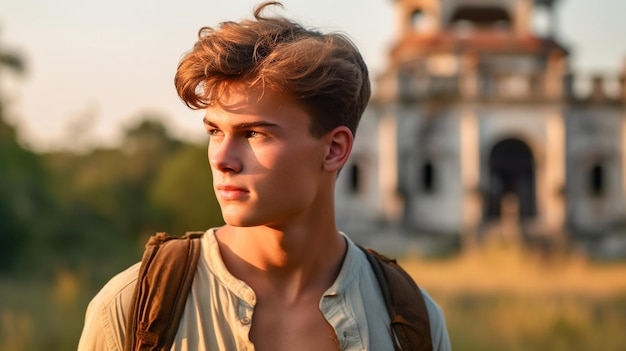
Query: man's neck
pixel 290 263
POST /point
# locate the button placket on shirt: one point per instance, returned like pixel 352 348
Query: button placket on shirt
pixel 244 316
pixel 245 320
pixel 342 320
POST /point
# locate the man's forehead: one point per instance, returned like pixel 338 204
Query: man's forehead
pixel 270 112
pixel 242 103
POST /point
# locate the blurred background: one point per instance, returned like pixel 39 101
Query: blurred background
pixel 491 160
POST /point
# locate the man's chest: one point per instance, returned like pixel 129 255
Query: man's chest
pixel 278 327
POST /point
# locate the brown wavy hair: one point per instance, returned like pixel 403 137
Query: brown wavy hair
pixel 325 73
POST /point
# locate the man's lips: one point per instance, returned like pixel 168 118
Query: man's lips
pixel 231 192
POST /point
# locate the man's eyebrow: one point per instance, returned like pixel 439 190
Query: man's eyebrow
pixel 245 125
pixel 207 122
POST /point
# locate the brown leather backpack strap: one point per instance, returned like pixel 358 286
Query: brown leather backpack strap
pixel 167 271
pixel 405 303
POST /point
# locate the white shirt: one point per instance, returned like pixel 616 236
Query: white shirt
pixel 219 309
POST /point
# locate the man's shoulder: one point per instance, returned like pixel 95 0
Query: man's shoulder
pixel 434 311
pixel 404 285
pixel 120 287
pixel 438 328
pixel 121 282
pixel 107 312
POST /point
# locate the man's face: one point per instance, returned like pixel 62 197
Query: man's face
pixel 267 167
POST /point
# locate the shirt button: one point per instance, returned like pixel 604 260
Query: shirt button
pixel 245 320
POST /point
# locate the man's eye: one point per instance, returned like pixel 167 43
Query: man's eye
pixel 214 132
pixel 252 134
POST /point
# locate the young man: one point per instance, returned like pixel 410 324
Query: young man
pixel 282 105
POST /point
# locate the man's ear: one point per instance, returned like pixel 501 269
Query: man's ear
pixel 340 142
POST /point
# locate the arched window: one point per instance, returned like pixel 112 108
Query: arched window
pixel 421 21
pixel 417 17
pixel 354 178
pixel 597 181
pixel 428 177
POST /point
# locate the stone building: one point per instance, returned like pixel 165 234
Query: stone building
pixel 478 117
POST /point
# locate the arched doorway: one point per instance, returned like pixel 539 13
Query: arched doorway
pixel 511 172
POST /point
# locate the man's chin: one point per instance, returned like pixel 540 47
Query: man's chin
pixel 239 222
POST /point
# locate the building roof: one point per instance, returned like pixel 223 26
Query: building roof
pixel 487 41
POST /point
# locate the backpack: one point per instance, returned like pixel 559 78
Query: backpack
pixel 168 267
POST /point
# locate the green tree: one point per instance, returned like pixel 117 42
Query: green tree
pixel 24 198
pixel 105 210
pixel 183 193
pixel 12 61
pixel 91 224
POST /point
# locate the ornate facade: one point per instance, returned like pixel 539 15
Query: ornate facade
pixel 478 116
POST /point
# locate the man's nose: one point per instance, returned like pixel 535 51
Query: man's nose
pixel 224 155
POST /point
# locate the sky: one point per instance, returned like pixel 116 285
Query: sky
pixel 95 67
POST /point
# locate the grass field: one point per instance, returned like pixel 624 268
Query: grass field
pixel 496 298
pixel 504 298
